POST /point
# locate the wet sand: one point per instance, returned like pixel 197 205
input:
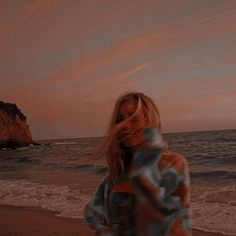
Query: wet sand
pixel 27 221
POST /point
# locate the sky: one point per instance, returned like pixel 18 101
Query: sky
pixel 64 63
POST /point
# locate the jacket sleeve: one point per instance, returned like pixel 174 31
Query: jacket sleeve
pixel 94 213
pixel 149 184
pixel 183 191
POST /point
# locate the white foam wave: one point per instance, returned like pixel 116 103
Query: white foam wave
pixel 215 209
pixel 64 143
pixel 23 148
pixel 68 202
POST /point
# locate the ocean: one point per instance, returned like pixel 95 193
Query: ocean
pixel 60 175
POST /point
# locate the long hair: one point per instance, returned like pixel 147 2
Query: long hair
pixel 111 147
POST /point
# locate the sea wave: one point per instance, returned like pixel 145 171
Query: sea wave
pixel 87 168
pixel 20 160
pixel 214 174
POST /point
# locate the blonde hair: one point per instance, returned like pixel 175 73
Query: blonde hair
pixel 111 147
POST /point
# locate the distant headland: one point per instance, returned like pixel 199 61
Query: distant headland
pixel 14 131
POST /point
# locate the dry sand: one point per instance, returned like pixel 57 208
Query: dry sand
pixel 27 221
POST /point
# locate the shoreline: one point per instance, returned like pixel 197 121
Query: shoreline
pixel 21 221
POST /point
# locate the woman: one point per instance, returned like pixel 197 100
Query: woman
pixel 146 191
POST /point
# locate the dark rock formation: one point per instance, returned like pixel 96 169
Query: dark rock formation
pixel 14 131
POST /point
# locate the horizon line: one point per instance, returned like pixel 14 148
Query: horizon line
pixel 168 132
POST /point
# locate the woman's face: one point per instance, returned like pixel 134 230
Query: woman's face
pixel 131 134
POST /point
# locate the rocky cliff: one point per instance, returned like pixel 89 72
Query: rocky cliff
pixel 14 131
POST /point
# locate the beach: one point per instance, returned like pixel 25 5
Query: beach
pixel 43 189
pixel 29 221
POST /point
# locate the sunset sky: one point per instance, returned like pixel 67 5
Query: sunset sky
pixel 64 63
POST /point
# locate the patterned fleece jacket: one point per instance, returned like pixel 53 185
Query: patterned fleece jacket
pixel 153 199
